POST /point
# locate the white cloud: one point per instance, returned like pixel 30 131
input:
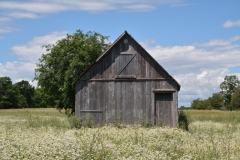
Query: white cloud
pixel 219 42
pixel 229 23
pixel 44 6
pixel 18 71
pixel 40 8
pixel 5 25
pixel 33 50
pixel 185 59
pixel 33 7
pixel 5 19
pixel 139 7
pixel 5 29
pixel 200 85
pixel 202 75
pixel 22 15
pixel 29 53
pixel 199 68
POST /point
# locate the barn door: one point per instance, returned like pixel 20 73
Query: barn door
pixel 125 65
pixel 163 105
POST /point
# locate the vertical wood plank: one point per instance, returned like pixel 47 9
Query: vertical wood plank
pixel 134 100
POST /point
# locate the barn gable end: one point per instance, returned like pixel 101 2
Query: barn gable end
pixel 126 83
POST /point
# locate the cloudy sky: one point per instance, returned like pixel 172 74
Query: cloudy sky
pixel 196 41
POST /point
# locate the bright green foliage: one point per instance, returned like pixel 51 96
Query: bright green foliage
pixel 65 62
pixel 228 87
pixel 27 91
pixel 235 100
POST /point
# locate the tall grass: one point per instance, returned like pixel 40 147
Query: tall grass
pixel 48 134
pixel 213 115
pixel 32 111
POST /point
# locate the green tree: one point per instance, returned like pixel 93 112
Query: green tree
pixel 182 107
pixel 65 62
pixel 6 92
pixel 228 87
pixel 235 100
pixel 26 90
pixel 201 104
pixel 10 96
pixel 216 101
pixel 42 100
pixel 197 104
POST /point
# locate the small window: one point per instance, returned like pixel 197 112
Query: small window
pixel 125 65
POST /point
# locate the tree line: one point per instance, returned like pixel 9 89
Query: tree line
pixel 228 98
pixel 22 95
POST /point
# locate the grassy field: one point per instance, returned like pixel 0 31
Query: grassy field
pixel 213 115
pixel 47 134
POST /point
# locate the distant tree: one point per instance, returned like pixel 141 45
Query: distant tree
pixel 196 104
pixel 10 96
pixel 26 90
pixel 6 92
pixel 201 104
pixel 235 100
pixel 65 62
pixel 182 107
pixel 216 101
pixel 42 100
pixel 207 104
pixel 228 87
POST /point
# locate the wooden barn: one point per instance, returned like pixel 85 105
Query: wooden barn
pixel 127 84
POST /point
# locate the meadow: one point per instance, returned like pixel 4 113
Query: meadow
pixel 48 134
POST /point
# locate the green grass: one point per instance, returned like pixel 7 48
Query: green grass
pixel 213 115
pixel 32 111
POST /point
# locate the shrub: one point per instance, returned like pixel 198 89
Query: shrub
pixel 183 121
pixel 75 122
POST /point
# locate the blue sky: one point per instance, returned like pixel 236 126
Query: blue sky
pixel 197 41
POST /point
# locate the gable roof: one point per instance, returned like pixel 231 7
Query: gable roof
pixel 115 42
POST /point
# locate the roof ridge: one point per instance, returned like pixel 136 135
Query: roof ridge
pixel 116 41
pixel 125 32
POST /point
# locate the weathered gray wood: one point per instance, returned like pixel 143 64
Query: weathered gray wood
pixel 163 108
pixel 148 102
pixel 125 84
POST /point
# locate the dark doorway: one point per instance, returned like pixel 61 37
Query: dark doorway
pixel 163 111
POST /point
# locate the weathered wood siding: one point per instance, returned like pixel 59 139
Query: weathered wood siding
pixel 163 108
pixel 121 86
pixel 146 67
pixel 129 101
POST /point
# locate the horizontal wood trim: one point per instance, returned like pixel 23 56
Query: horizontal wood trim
pixel 91 111
pixel 125 76
pixel 128 53
pixel 127 79
pixel 163 90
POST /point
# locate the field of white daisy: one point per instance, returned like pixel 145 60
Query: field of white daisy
pixel 47 134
